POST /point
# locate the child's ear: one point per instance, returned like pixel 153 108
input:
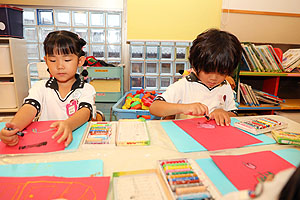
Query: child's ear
pixel 81 61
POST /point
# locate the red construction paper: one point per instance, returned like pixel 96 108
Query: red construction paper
pixel 245 171
pixel 46 187
pixel 36 139
pixel 219 137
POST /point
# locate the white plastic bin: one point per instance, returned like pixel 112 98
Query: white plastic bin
pixel 7 95
pixel 5 65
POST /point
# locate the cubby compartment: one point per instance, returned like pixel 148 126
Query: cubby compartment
pixel 5 66
pixel 7 93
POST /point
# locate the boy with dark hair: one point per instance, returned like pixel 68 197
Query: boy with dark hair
pixel 213 56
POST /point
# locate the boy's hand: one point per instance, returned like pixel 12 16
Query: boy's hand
pixel 196 109
pixel 221 117
pixel 9 137
pixel 63 129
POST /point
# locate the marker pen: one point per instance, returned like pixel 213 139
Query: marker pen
pixel 18 133
pixel 207 117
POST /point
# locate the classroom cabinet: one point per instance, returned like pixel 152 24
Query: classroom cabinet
pixel 108 82
pixel 13 74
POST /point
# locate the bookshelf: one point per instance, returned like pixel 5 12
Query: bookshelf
pixel 271 82
pixel 284 85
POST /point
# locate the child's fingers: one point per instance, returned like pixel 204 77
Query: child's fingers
pixel 69 140
pixel 14 142
pixel 54 124
pixel 9 133
pixel 205 109
pixel 63 137
pixel 10 141
pixel 227 120
pixel 220 120
pixel 57 133
pixel 10 125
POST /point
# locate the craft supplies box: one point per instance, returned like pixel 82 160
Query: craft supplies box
pixel 108 83
pixel 5 66
pixel 7 94
pixel 11 21
pixel 128 114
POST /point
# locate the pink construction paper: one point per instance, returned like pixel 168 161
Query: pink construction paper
pixel 214 137
pixel 36 139
pixel 46 187
pixel 245 171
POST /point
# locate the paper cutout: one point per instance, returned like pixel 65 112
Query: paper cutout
pixel 220 137
pixel 245 171
pixel 221 181
pixel 45 187
pixel 37 139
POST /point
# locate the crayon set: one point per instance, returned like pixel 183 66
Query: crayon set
pixel 183 180
pixel 99 133
pixel 260 125
pixel 285 137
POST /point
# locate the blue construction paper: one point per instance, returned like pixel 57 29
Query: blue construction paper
pixel 185 143
pixel 77 136
pixel 182 141
pixel 79 168
pixel 290 155
pixel 223 184
pixel 2 125
pixel 216 176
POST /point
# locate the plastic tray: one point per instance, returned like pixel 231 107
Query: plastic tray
pixel 128 114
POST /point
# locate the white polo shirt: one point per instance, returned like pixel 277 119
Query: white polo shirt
pixel 45 97
pixel 191 90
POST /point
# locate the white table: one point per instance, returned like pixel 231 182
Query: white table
pixel 127 158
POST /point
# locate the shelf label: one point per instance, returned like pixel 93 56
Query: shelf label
pixel 100 93
pixel 101 70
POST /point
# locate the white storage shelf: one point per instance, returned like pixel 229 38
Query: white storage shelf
pixel 13 74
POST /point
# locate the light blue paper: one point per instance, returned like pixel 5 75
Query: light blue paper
pixel 290 155
pixel 216 176
pixel 77 136
pixel 80 168
pixel 222 182
pixel 2 125
pixel 182 141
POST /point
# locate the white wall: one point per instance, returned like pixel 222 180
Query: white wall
pixel 284 6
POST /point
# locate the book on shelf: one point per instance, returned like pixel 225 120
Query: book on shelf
pixel 260 58
pixel 254 97
pixel 291 60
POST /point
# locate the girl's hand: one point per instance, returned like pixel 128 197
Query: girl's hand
pixel 196 109
pixel 221 117
pixel 63 129
pixel 9 137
